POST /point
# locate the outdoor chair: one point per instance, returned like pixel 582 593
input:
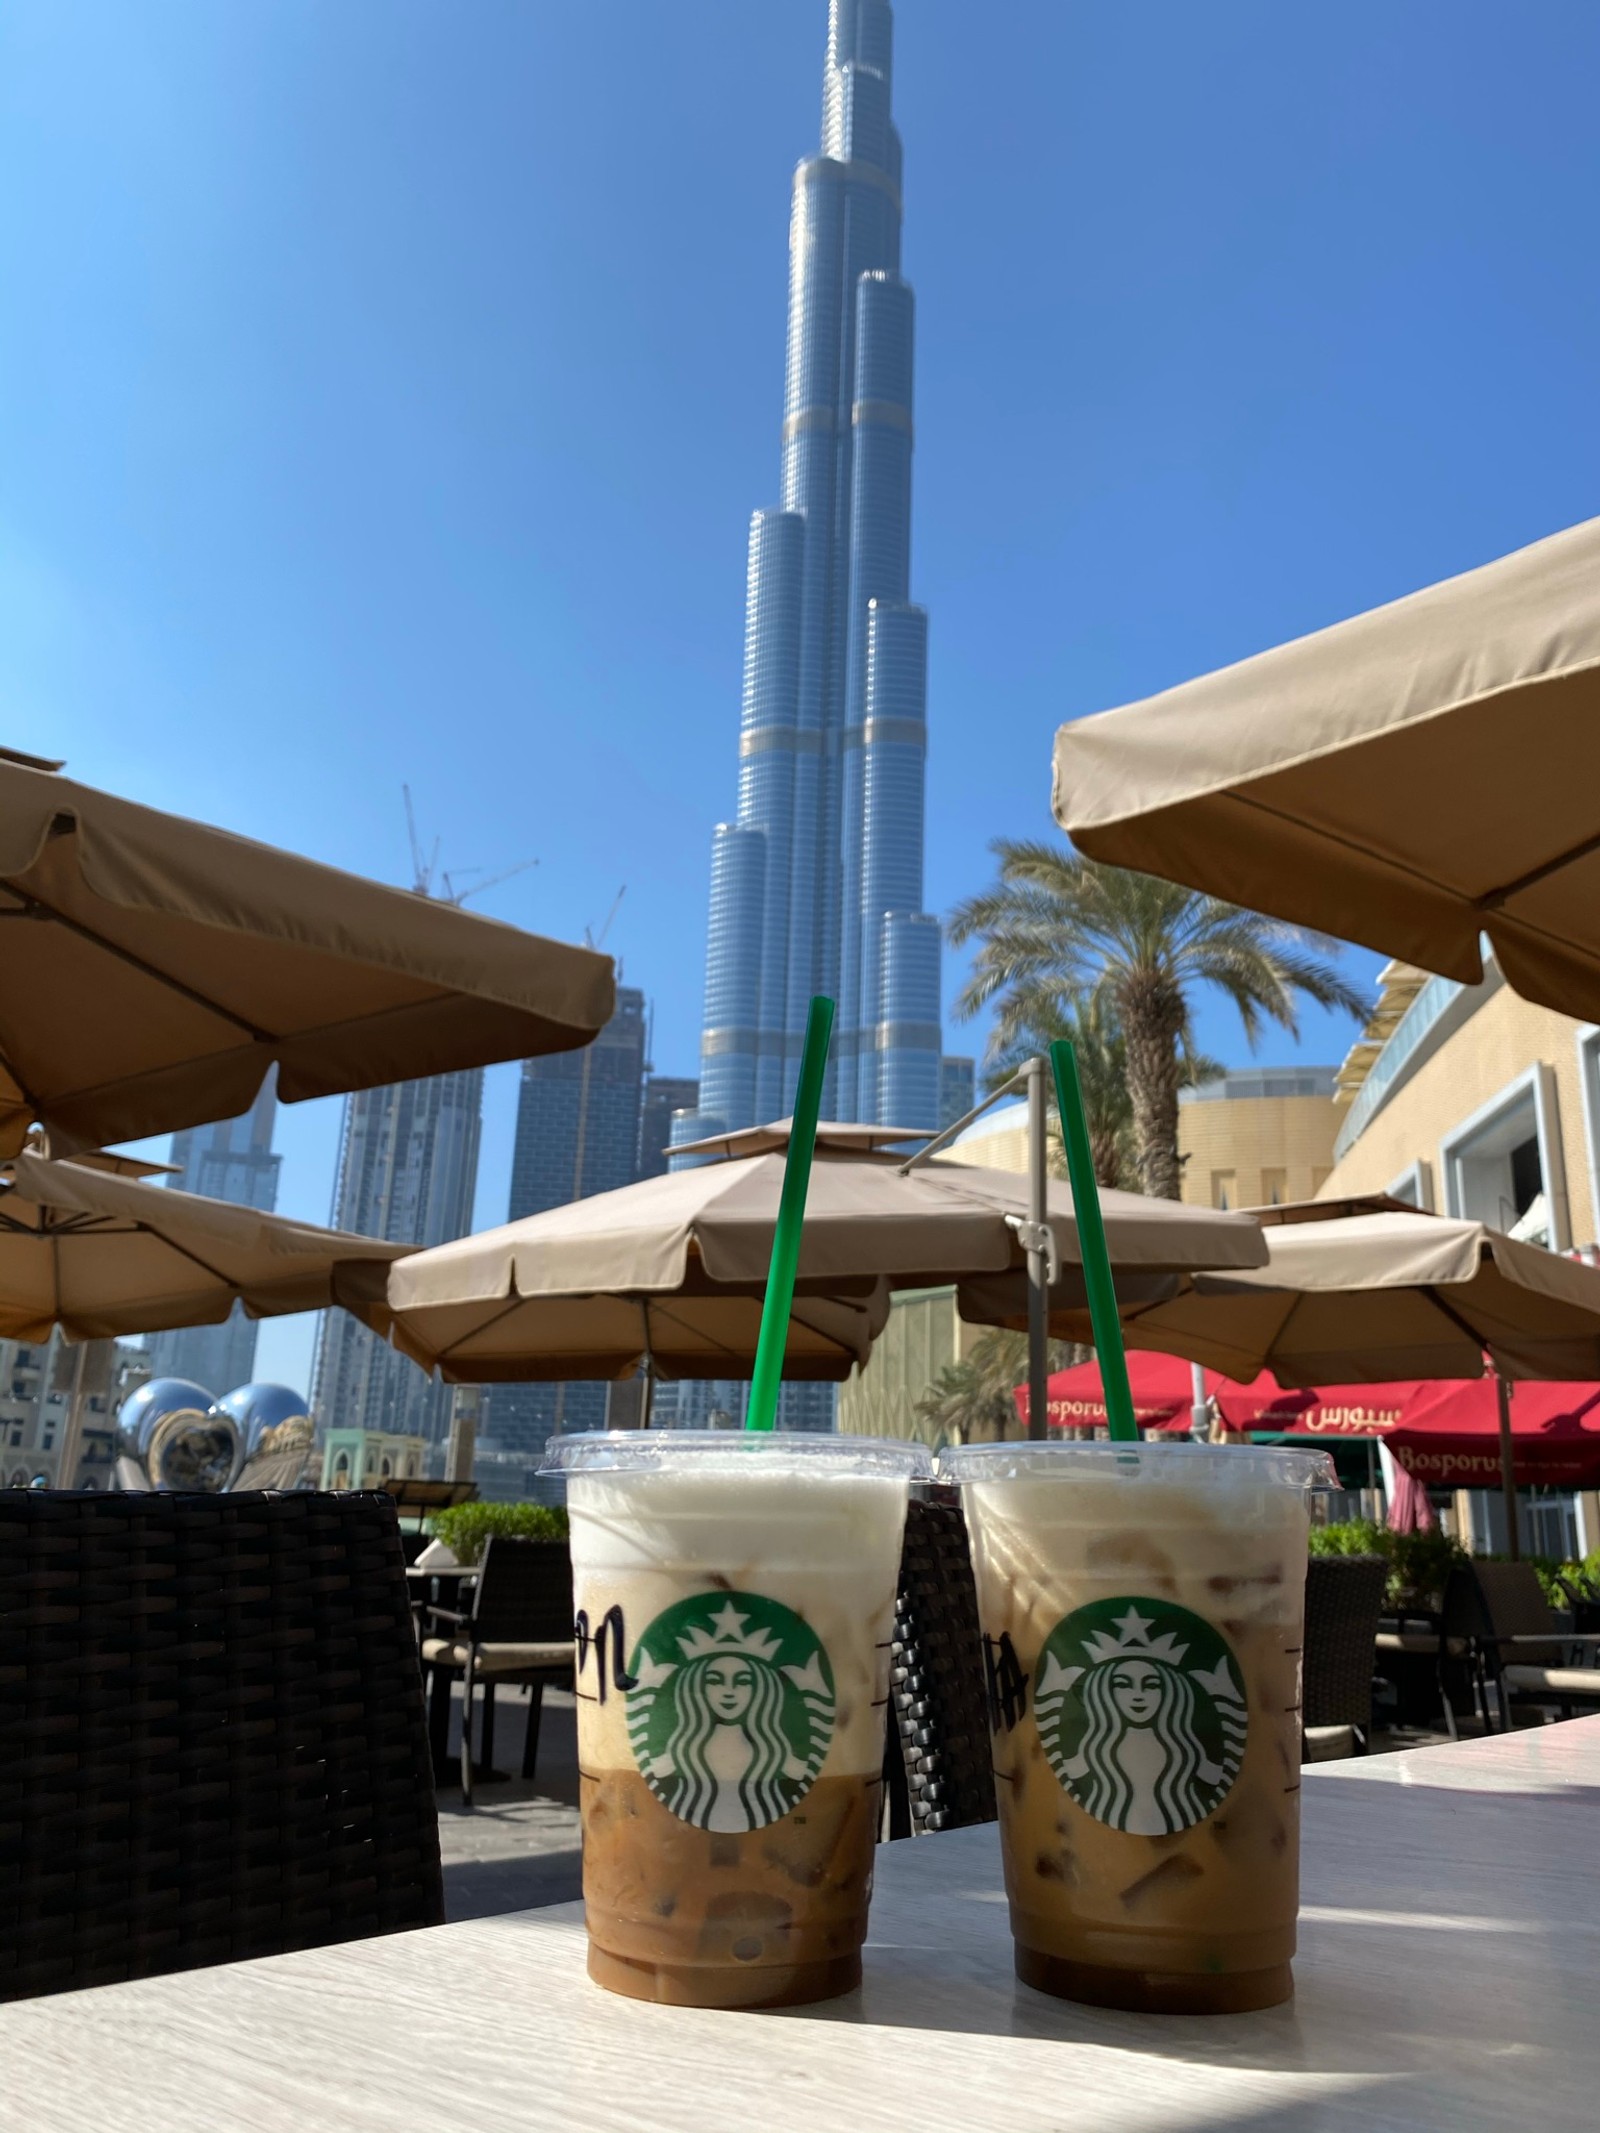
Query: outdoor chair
pixel 517 1628
pixel 212 1741
pixel 1519 1648
pixel 938 1767
pixel 1344 1598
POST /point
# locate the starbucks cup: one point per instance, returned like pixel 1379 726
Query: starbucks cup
pixel 1142 1609
pixel 735 1601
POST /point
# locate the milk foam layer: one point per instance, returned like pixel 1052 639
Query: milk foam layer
pixel 826 1545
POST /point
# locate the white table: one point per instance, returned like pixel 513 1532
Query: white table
pixel 1449 1977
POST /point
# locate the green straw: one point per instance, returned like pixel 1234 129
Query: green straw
pixel 762 1412
pixel 1092 1246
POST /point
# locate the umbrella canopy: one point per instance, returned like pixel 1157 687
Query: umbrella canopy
pixel 1291 782
pixel 101 1254
pixel 1451 1438
pixel 152 969
pixel 674 1268
pixel 1379 1296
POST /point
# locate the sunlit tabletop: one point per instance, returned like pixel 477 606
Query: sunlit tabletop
pixel 1449 1977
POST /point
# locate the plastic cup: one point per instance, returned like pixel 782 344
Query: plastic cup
pixel 735 1602
pixel 1142 1609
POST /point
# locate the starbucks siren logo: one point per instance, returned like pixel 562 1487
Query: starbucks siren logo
pixel 1141 1709
pixel 732 1710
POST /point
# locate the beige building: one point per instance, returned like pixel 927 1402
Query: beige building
pixel 1258 1136
pixel 925 1335
pixel 1468 1100
pixel 1255 1137
pixel 1474 1103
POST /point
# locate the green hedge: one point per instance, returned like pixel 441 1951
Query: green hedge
pixel 1419 1563
pixel 465 1527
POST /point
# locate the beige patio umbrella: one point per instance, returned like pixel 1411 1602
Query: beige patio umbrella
pixel 1366 1297
pixel 1411 779
pixel 671 1272
pixel 95 1249
pixel 101 1254
pixel 153 969
pixel 1386 1292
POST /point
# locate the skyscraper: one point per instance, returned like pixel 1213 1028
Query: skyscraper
pixel 816 886
pixel 408 1170
pixel 577 1134
pixel 232 1160
pixel 664 1094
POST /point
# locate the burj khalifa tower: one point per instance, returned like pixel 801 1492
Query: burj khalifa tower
pixel 816 886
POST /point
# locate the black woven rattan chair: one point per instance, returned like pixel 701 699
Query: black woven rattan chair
pixel 518 1628
pixel 1344 1598
pixel 212 1742
pixel 1519 1649
pixel 942 1776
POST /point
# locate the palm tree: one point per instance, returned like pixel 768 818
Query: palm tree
pixel 974 1401
pixel 1060 933
pixel 1025 1027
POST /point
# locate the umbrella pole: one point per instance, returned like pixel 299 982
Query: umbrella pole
pixel 1508 1468
pixel 1038 1261
pixel 72 1429
pixel 1199 1410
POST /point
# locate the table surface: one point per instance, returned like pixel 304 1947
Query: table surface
pixel 1448 1968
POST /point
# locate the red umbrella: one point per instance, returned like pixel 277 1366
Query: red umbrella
pixel 1160 1385
pixel 1325 1411
pixel 1162 1398
pixel 1451 1439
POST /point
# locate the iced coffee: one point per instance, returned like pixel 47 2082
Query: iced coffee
pixel 1142 1609
pixel 735 1602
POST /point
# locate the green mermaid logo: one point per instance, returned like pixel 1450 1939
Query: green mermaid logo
pixel 731 1711
pixel 1141 1709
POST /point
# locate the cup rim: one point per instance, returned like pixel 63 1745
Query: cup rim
pixel 1207 1466
pixel 639 1451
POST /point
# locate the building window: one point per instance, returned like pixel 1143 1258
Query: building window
pixel 1589 1082
pixel 1414 1187
pixel 1274 1187
pixel 1224 1188
pixel 1503 1166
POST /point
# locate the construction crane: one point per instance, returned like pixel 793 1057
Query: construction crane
pixel 425 868
pixel 593 940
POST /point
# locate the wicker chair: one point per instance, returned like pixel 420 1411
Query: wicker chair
pixel 938 1748
pixel 211 1733
pixel 518 1628
pixel 1344 1598
pixel 1518 1648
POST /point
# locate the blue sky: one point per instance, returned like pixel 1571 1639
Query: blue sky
pixel 385 386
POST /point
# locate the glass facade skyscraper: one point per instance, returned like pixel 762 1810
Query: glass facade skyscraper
pixel 578 1121
pixel 816 885
pixel 408 1172
pixel 232 1160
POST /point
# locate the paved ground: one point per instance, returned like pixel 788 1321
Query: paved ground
pixel 518 1845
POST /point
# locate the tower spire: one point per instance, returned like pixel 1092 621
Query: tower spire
pixel 817 883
